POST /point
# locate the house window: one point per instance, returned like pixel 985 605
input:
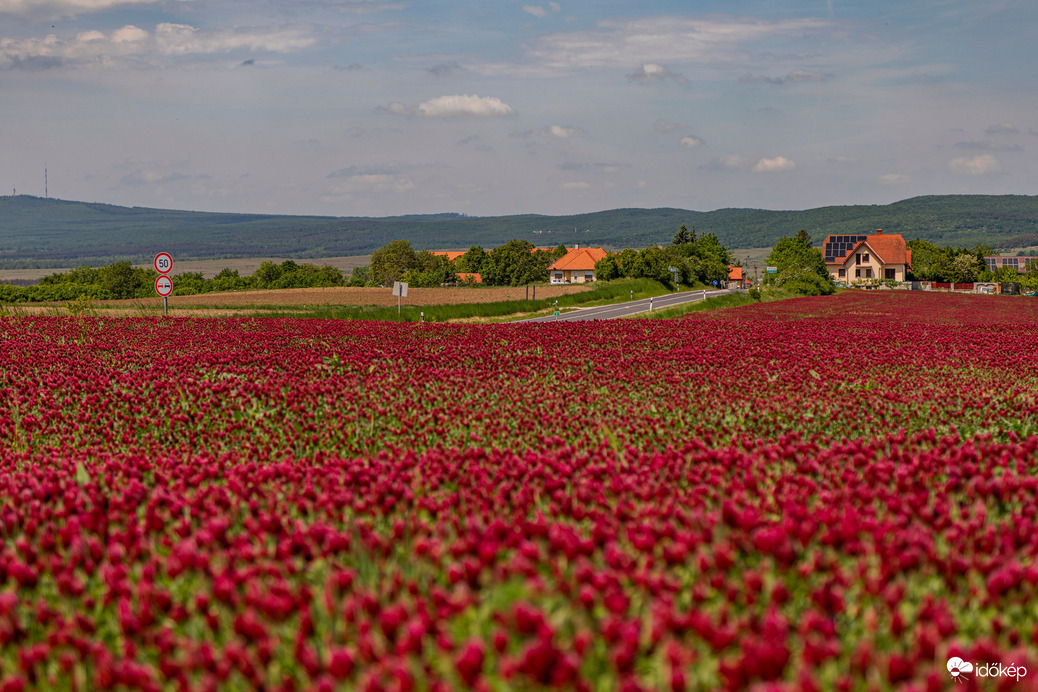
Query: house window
pixel 1013 262
pixel 843 273
pixel 888 273
pixel 589 276
pixel 865 257
pixel 857 258
pixel 857 273
pixel 558 276
pixel 868 273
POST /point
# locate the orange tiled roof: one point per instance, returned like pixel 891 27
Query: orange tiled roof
pixel 579 259
pixel 889 248
pixel 451 255
pixel 469 276
pixel 734 273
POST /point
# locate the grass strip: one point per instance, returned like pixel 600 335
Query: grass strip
pixel 728 300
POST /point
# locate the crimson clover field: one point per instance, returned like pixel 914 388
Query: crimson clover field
pixel 821 493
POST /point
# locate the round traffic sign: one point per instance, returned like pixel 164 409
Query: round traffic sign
pixel 163 285
pixel 163 263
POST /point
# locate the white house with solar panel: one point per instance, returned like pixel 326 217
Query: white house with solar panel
pixel 864 258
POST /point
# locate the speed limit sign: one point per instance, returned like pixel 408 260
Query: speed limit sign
pixel 163 263
pixel 164 286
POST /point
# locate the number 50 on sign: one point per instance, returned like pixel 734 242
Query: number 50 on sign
pixel 163 263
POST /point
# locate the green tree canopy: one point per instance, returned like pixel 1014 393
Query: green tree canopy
pixel 473 260
pixel 516 263
pixel 391 261
pixel 801 267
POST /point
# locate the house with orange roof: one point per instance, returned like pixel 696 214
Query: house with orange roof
pixel 451 255
pixel 577 266
pixel 860 258
pixel 735 277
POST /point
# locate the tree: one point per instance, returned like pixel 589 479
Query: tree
pixel 797 254
pixel 188 284
pixel 627 261
pixel 267 274
pixel 473 260
pixel 391 261
pixel 430 271
pixel 516 263
pixel 966 267
pixel 360 276
pixel 1005 273
pixel 118 279
pixel 654 265
pixel 801 267
pixel 606 269
pixel 682 237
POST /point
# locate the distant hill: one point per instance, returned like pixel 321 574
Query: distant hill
pixel 38 232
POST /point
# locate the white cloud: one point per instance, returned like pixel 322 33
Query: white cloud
pixel 535 10
pixel 779 163
pixel 181 39
pixel 691 141
pixel 808 76
pixel 651 72
pixel 978 165
pixel 555 7
pixel 64 8
pixel 895 179
pixel 562 132
pixel 1002 129
pixel 133 42
pixel 730 162
pixel 455 106
pixel 672 39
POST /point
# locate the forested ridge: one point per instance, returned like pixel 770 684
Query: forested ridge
pixel 38 232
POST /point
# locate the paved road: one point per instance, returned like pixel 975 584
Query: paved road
pixel 609 312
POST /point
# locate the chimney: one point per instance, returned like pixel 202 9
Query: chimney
pixel 577 246
pixel 879 231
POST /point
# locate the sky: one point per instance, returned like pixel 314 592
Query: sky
pixel 486 107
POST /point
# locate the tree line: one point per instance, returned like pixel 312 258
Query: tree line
pixel 963 265
pixel 122 280
pixel 802 269
pixel 695 260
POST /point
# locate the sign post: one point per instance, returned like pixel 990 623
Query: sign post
pixel 400 291
pixel 164 285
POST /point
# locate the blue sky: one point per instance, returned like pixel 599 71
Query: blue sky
pixel 383 107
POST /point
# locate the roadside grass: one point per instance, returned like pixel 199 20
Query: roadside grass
pixel 728 300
